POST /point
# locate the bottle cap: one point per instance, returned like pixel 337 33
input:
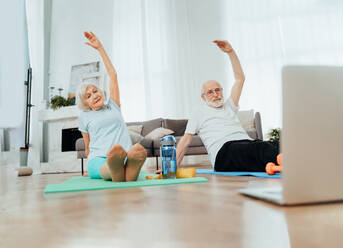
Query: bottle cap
pixel 168 140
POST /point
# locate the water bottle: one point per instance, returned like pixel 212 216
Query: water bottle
pixel 168 157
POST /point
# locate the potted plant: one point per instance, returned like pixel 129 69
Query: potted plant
pixel 274 134
pixel 59 101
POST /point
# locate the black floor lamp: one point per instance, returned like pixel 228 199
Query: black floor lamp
pixel 24 150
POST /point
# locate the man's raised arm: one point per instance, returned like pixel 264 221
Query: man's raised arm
pixel 237 87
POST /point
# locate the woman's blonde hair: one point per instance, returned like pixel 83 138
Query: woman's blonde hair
pixel 80 96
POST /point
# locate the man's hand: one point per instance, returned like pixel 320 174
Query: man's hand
pixel 224 45
pixel 93 40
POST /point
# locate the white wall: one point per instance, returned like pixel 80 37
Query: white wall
pixel 13 69
pixel 69 20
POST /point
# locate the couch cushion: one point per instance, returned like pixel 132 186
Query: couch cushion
pixel 135 129
pixel 191 150
pixel 135 137
pixel 148 126
pixel 196 146
pixel 195 142
pixel 80 145
pixel 159 133
pixel 196 150
pixel 252 134
pixel 146 143
pixel 81 154
pixel 246 117
pixel 178 126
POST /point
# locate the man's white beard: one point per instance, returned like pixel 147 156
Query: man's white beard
pixel 215 104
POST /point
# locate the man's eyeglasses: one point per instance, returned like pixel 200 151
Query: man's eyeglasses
pixel 212 91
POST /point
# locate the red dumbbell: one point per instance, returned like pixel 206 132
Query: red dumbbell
pixel 272 168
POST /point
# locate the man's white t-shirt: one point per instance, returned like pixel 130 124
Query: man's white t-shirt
pixel 216 126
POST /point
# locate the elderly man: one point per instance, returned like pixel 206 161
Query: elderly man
pixel 227 143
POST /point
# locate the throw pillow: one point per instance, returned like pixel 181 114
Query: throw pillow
pixel 149 126
pixel 159 133
pixel 135 137
pixel 178 126
pixel 247 120
pixel 135 129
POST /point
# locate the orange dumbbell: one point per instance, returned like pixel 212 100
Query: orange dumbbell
pixel 272 168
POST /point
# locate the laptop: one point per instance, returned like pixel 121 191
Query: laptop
pixel 311 138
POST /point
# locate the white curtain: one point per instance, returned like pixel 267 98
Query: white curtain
pixel 35 23
pixel 269 34
pixel 163 52
pixel 145 54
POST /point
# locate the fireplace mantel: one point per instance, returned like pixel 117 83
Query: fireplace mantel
pixel 57 120
pixel 49 115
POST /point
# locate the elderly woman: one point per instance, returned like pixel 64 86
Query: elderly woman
pixel 108 145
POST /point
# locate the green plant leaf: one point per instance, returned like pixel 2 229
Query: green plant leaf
pixel 59 101
pixel 274 134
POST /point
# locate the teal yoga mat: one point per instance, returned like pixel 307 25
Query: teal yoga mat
pixel 85 183
pixel 237 173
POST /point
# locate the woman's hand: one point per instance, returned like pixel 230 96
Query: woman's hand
pixel 224 45
pixel 93 40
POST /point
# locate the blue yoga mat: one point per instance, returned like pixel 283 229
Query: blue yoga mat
pixel 237 173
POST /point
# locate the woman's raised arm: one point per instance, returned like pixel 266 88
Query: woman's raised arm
pixel 94 42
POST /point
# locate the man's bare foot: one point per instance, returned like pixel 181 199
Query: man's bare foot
pixel 135 159
pixel 115 162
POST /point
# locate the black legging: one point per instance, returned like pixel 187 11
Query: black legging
pixel 246 155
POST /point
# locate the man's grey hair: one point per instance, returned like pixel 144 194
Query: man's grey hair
pixel 207 82
pixel 80 96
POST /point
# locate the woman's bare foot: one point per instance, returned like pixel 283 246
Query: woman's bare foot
pixel 135 159
pixel 115 162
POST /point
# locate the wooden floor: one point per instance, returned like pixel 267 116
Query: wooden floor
pixel 208 214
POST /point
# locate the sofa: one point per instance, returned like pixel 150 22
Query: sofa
pixel 250 121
